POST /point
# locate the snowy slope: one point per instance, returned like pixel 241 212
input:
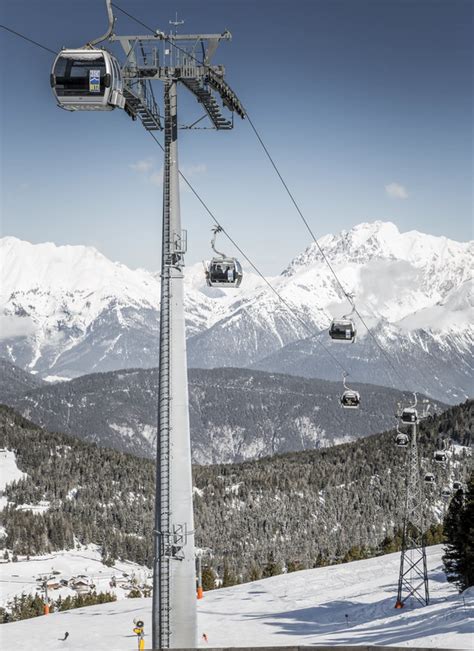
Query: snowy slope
pixel 15 381
pixel 349 604
pixel 68 310
pixel 9 472
pixel 20 577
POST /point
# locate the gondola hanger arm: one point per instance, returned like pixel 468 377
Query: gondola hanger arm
pixel 350 297
pixel 215 230
pixel 110 29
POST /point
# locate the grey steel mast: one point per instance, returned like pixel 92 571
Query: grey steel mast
pixel 170 59
pixel 174 589
pixel 174 594
pixel 413 575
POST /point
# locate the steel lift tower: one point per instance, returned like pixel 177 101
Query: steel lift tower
pixel 174 588
pixel 175 58
pixel 413 577
pixel 91 78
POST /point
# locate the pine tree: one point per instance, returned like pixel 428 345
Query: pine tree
pixel 469 534
pixel 458 559
pixel 272 568
pixel 294 566
pixel 255 573
pixel 208 578
pixel 134 593
pixel 229 577
pixel 321 561
pixel 434 535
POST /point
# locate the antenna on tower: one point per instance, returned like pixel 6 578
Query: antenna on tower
pixel 176 22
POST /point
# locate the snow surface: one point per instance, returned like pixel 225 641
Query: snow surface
pixel 9 472
pixel 41 507
pixel 19 577
pixel 53 379
pixel 302 608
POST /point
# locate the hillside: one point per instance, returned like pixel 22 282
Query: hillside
pixel 349 605
pixel 307 507
pixel 15 382
pixel 19 577
pixel 68 311
pixel 446 374
pixel 235 414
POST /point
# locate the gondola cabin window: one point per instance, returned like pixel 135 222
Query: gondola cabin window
pixel 80 78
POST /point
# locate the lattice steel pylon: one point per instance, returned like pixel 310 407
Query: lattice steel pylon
pixel 413 576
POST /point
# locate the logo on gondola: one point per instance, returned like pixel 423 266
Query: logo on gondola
pixel 94 81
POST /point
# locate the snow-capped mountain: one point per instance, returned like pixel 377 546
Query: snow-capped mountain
pixel 413 290
pixel 392 274
pixel 68 310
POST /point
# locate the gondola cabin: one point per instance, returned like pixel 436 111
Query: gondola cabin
pixel 87 80
pixel 409 415
pixel 439 456
pixel 430 479
pixel 350 399
pixel 342 330
pixel 457 486
pixel 446 493
pixel 401 440
pixel 224 272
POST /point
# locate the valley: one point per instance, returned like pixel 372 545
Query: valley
pixel 235 414
pixel 310 507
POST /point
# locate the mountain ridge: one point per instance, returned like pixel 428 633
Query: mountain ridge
pixel 235 414
pixel 69 311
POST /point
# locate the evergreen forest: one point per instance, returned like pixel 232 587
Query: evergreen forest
pixel 297 510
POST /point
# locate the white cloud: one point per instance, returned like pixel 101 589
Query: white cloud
pixel 387 278
pixel 13 326
pixel 154 176
pixel 194 170
pixel 396 191
pixel 189 171
pixel 142 165
pixel 157 177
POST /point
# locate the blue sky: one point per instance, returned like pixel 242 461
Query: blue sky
pixel 366 105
